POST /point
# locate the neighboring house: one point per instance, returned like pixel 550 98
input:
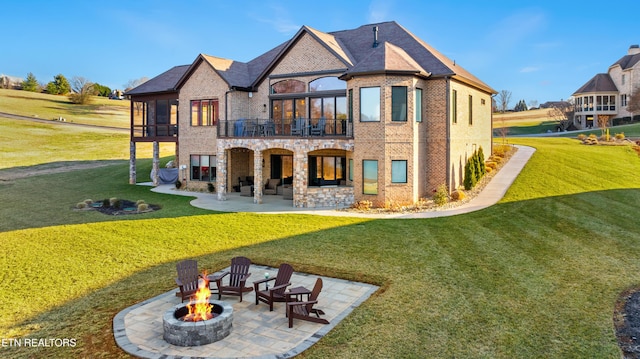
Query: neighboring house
pixel 606 95
pixel 373 113
pixel 10 82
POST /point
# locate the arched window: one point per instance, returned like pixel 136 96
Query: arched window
pixel 326 84
pixel 288 86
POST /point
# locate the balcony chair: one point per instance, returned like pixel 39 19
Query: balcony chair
pixel 318 129
pixel 277 292
pixel 237 275
pixel 188 278
pixel 305 310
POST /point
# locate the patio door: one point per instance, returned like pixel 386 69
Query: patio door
pixel 282 167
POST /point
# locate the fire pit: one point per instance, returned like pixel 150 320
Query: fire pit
pixel 190 333
pixel 202 321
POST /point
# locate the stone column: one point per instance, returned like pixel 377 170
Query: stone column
pixel 257 177
pixel 132 162
pixel 221 174
pixel 156 163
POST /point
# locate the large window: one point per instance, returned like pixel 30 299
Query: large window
pixel 370 104
pixel 326 170
pixel 326 84
pixel 398 171
pixel 370 177
pixel 288 86
pixel 203 168
pixel 204 112
pixel 398 103
pixel 417 105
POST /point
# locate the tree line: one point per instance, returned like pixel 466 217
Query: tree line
pixel 80 90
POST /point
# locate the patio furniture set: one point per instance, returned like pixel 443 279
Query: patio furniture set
pixel 272 187
pixel 267 290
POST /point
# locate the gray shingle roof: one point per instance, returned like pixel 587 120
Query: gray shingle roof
pixel 398 51
pixel 165 82
pixel 599 83
pixel 627 61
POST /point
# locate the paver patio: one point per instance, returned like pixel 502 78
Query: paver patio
pixel 257 332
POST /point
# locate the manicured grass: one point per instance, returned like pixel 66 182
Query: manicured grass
pixel 101 111
pixel 535 276
pixel 27 143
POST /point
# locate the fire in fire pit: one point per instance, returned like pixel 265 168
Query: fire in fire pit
pixel 200 322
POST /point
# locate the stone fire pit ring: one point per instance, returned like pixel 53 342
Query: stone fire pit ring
pixel 189 334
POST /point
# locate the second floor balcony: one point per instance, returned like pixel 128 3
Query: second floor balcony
pixel 283 128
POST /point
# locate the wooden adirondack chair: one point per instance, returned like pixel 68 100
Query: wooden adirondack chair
pixel 304 310
pixel 275 293
pixel 188 277
pixel 237 274
pixel 318 129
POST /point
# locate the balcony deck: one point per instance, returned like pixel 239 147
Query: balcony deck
pixel 300 127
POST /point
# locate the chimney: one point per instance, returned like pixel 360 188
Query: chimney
pixel 375 36
pixel 634 49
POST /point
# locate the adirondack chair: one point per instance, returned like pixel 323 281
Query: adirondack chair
pixel 318 129
pixel 298 127
pixel 275 293
pixel 188 277
pixel 237 274
pixel 304 310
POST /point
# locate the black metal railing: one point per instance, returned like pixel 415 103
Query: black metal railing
pixel 299 127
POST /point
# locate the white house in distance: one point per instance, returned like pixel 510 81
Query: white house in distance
pixel 605 96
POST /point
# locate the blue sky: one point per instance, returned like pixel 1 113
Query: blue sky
pixel 539 50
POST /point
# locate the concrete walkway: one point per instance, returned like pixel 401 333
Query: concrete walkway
pixel 490 195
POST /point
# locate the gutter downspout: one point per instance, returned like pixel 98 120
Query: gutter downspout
pixel 448 131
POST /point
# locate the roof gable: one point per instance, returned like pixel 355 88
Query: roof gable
pixel 386 57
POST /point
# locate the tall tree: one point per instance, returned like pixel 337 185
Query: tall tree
pixel 30 83
pixel 59 85
pixel 135 83
pixel 504 97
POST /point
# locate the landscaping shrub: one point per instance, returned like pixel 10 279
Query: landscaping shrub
pixel 211 187
pixel 139 202
pixel 178 184
pixel 620 136
pixel 480 160
pixel 582 137
pixel 470 176
pixel 142 207
pixel 441 197
pixel 81 205
pixel 458 195
pixel 88 201
pixel 362 205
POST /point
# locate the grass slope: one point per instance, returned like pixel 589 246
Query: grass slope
pixel 533 276
pixel 101 111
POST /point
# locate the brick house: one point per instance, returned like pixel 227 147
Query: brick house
pixel 373 113
pixel 605 96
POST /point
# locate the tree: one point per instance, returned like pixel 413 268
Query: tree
pixel 504 97
pixel 533 103
pixel 521 106
pixel 633 102
pixel 59 85
pixel 102 90
pixel 562 112
pixel 83 90
pixel 30 84
pixel 135 83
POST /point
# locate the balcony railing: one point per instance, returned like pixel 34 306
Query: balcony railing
pixel 154 131
pixel 299 127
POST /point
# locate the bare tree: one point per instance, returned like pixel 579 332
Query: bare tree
pixel 135 83
pixel 83 90
pixel 633 102
pixel 562 112
pixel 533 103
pixel 504 97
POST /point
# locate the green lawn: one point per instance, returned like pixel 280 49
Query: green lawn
pixel 535 276
pixel 101 111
